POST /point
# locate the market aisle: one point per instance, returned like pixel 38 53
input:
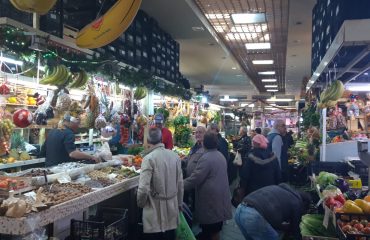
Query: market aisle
pixel 231 231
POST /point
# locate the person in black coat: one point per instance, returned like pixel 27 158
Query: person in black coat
pixel 271 209
pixel 261 168
pixel 222 146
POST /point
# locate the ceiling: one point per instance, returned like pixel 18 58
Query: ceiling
pixel 204 58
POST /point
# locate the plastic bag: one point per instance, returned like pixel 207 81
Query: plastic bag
pixel 45 110
pixel 63 102
pixel 104 152
pixel 238 159
pixel 100 122
pixel 108 131
pixel 183 231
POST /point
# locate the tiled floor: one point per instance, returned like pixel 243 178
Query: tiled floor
pixel 230 230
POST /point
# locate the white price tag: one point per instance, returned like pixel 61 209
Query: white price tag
pixel 325 222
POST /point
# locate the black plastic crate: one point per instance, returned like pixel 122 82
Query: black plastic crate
pixel 339 168
pixel 109 224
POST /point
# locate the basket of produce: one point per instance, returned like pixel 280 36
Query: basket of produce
pixel 109 224
pixel 312 228
pixel 353 220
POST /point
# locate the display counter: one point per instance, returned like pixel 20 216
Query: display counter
pixel 27 224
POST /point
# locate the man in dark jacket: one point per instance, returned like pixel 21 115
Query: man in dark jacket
pixel 273 208
pixel 223 146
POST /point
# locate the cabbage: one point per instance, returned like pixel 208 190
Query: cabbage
pixel 326 178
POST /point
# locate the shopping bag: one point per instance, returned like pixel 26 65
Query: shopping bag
pixel 183 231
pixel 238 159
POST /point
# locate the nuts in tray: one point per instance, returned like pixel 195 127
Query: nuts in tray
pixel 62 192
pixel 37 173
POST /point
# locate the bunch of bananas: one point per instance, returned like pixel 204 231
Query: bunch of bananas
pixel 330 96
pixel 110 26
pixel 59 75
pixel 79 80
pixel 38 6
pixel 140 93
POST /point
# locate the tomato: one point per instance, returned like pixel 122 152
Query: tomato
pixel 4 184
pixel 359 226
pixel 347 228
pixel 353 222
pixel 366 230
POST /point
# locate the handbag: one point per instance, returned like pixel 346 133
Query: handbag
pixel 238 195
pixel 238 159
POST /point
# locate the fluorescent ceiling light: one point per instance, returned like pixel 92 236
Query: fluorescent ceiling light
pixel 11 61
pixel 270 108
pixel 250 28
pixel 251 105
pixel 317 74
pixel 269 80
pixel 272 90
pixel 267 73
pixel 265 38
pixel 241 36
pixel 271 86
pixel 227 99
pixel 217 16
pixel 255 46
pixel 358 87
pixel 243 18
pixel 279 99
pixel 263 62
pixel 219 28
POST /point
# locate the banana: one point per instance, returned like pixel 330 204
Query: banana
pixel 62 77
pixel 85 79
pixel 339 89
pixel 110 26
pixel 76 81
pixel 50 77
pixel 38 6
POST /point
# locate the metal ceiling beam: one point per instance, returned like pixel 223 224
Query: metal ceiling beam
pixel 363 70
pixel 354 61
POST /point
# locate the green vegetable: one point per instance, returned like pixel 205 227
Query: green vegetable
pixel 311 225
pixel 326 178
pixel 17 142
pixel 135 150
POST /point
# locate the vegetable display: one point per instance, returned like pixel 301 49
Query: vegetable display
pixel 311 225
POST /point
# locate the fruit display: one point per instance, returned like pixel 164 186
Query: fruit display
pixel 34 6
pixel 4 89
pixel 182 152
pixel 357 227
pixel 6 130
pixel 58 76
pixel 22 118
pixel 79 80
pixel 140 93
pixel 330 96
pixel 110 26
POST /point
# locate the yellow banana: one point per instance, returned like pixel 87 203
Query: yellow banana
pixel 60 78
pixel 77 81
pixel 50 77
pixel 110 26
pixel 38 6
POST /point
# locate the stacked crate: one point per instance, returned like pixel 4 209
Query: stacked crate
pixel 327 18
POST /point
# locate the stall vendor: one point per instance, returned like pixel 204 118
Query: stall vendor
pixel 166 134
pixel 60 146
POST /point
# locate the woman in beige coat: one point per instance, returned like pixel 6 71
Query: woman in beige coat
pixel 160 189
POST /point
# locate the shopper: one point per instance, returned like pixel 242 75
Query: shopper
pixel 266 211
pixel 266 131
pixel 59 146
pixel 212 198
pixel 258 130
pixel 222 146
pixel 252 133
pixel 196 152
pixel 288 139
pixel 166 134
pixel 261 168
pixel 275 138
pixel 160 190
pixel 244 144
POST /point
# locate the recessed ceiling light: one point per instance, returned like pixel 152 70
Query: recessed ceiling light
pixel 239 75
pixel 242 18
pixel 271 86
pixel 272 90
pixel 312 81
pixel 268 80
pixel 263 61
pixel 233 68
pixel 254 46
pixel 217 16
pixel 366 74
pixel 317 74
pixel 267 73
